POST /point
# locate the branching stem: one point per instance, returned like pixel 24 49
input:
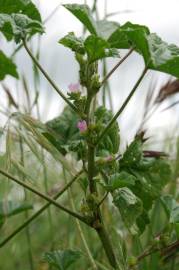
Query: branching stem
pixel 39 212
pixel 44 196
pixel 123 106
pixel 36 62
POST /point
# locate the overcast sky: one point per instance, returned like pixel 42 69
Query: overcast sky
pixel 160 16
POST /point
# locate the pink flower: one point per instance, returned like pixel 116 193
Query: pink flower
pixel 82 125
pixel 109 158
pixel 74 87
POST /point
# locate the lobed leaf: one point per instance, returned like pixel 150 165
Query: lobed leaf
pixel 72 42
pixel 17 26
pixel 62 259
pixel 130 206
pixel 98 48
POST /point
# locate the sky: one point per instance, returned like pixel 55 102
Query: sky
pixel 160 16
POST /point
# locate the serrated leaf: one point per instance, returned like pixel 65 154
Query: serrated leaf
pixel 62 259
pixel 98 48
pixel 171 208
pixel 157 54
pixel 65 129
pixel 83 14
pixel 133 154
pixel 122 37
pixel 7 67
pixel 162 56
pixel 130 206
pixel 17 26
pixel 119 180
pixel 72 42
pixel 25 7
pixel 152 174
pixel 111 140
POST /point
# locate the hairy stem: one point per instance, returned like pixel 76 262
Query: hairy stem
pixel 39 212
pixel 123 106
pixel 44 196
pixel 70 195
pixel 49 79
pixel 98 221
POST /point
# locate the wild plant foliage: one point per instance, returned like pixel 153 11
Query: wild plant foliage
pixel 118 192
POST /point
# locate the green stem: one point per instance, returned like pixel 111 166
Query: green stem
pixel 116 66
pixel 98 221
pixel 49 79
pixel 44 196
pixel 40 211
pixel 30 256
pixel 123 106
pixel 70 195
pixel 106 242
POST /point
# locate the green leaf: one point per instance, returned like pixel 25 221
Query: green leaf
pixel 171 208
pixel 62 259
pixel 151 176
pixel 130 206
pixel 161 56
pixel 74 43
pixel 157 54
pixel 118 180
pixel 83 14
pixel 7 67
pixel 64 127
pixel 106 28
pixel 133 154
pixel 98 48
pixel 17 26
pixel 122 38
pixel 25 7
pixel 111 140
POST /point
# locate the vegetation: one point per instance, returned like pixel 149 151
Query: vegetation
pixel 84 203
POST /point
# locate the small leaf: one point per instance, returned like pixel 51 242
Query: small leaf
pixel 118 180
pixel 62 259
pixel 74 43
pixel 17 26
pixel 130 206
pixel 7 67
pixel 98 48
pixel 83 14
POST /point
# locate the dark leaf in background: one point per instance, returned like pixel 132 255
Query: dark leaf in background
pixel 7 67
pixel 62 259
